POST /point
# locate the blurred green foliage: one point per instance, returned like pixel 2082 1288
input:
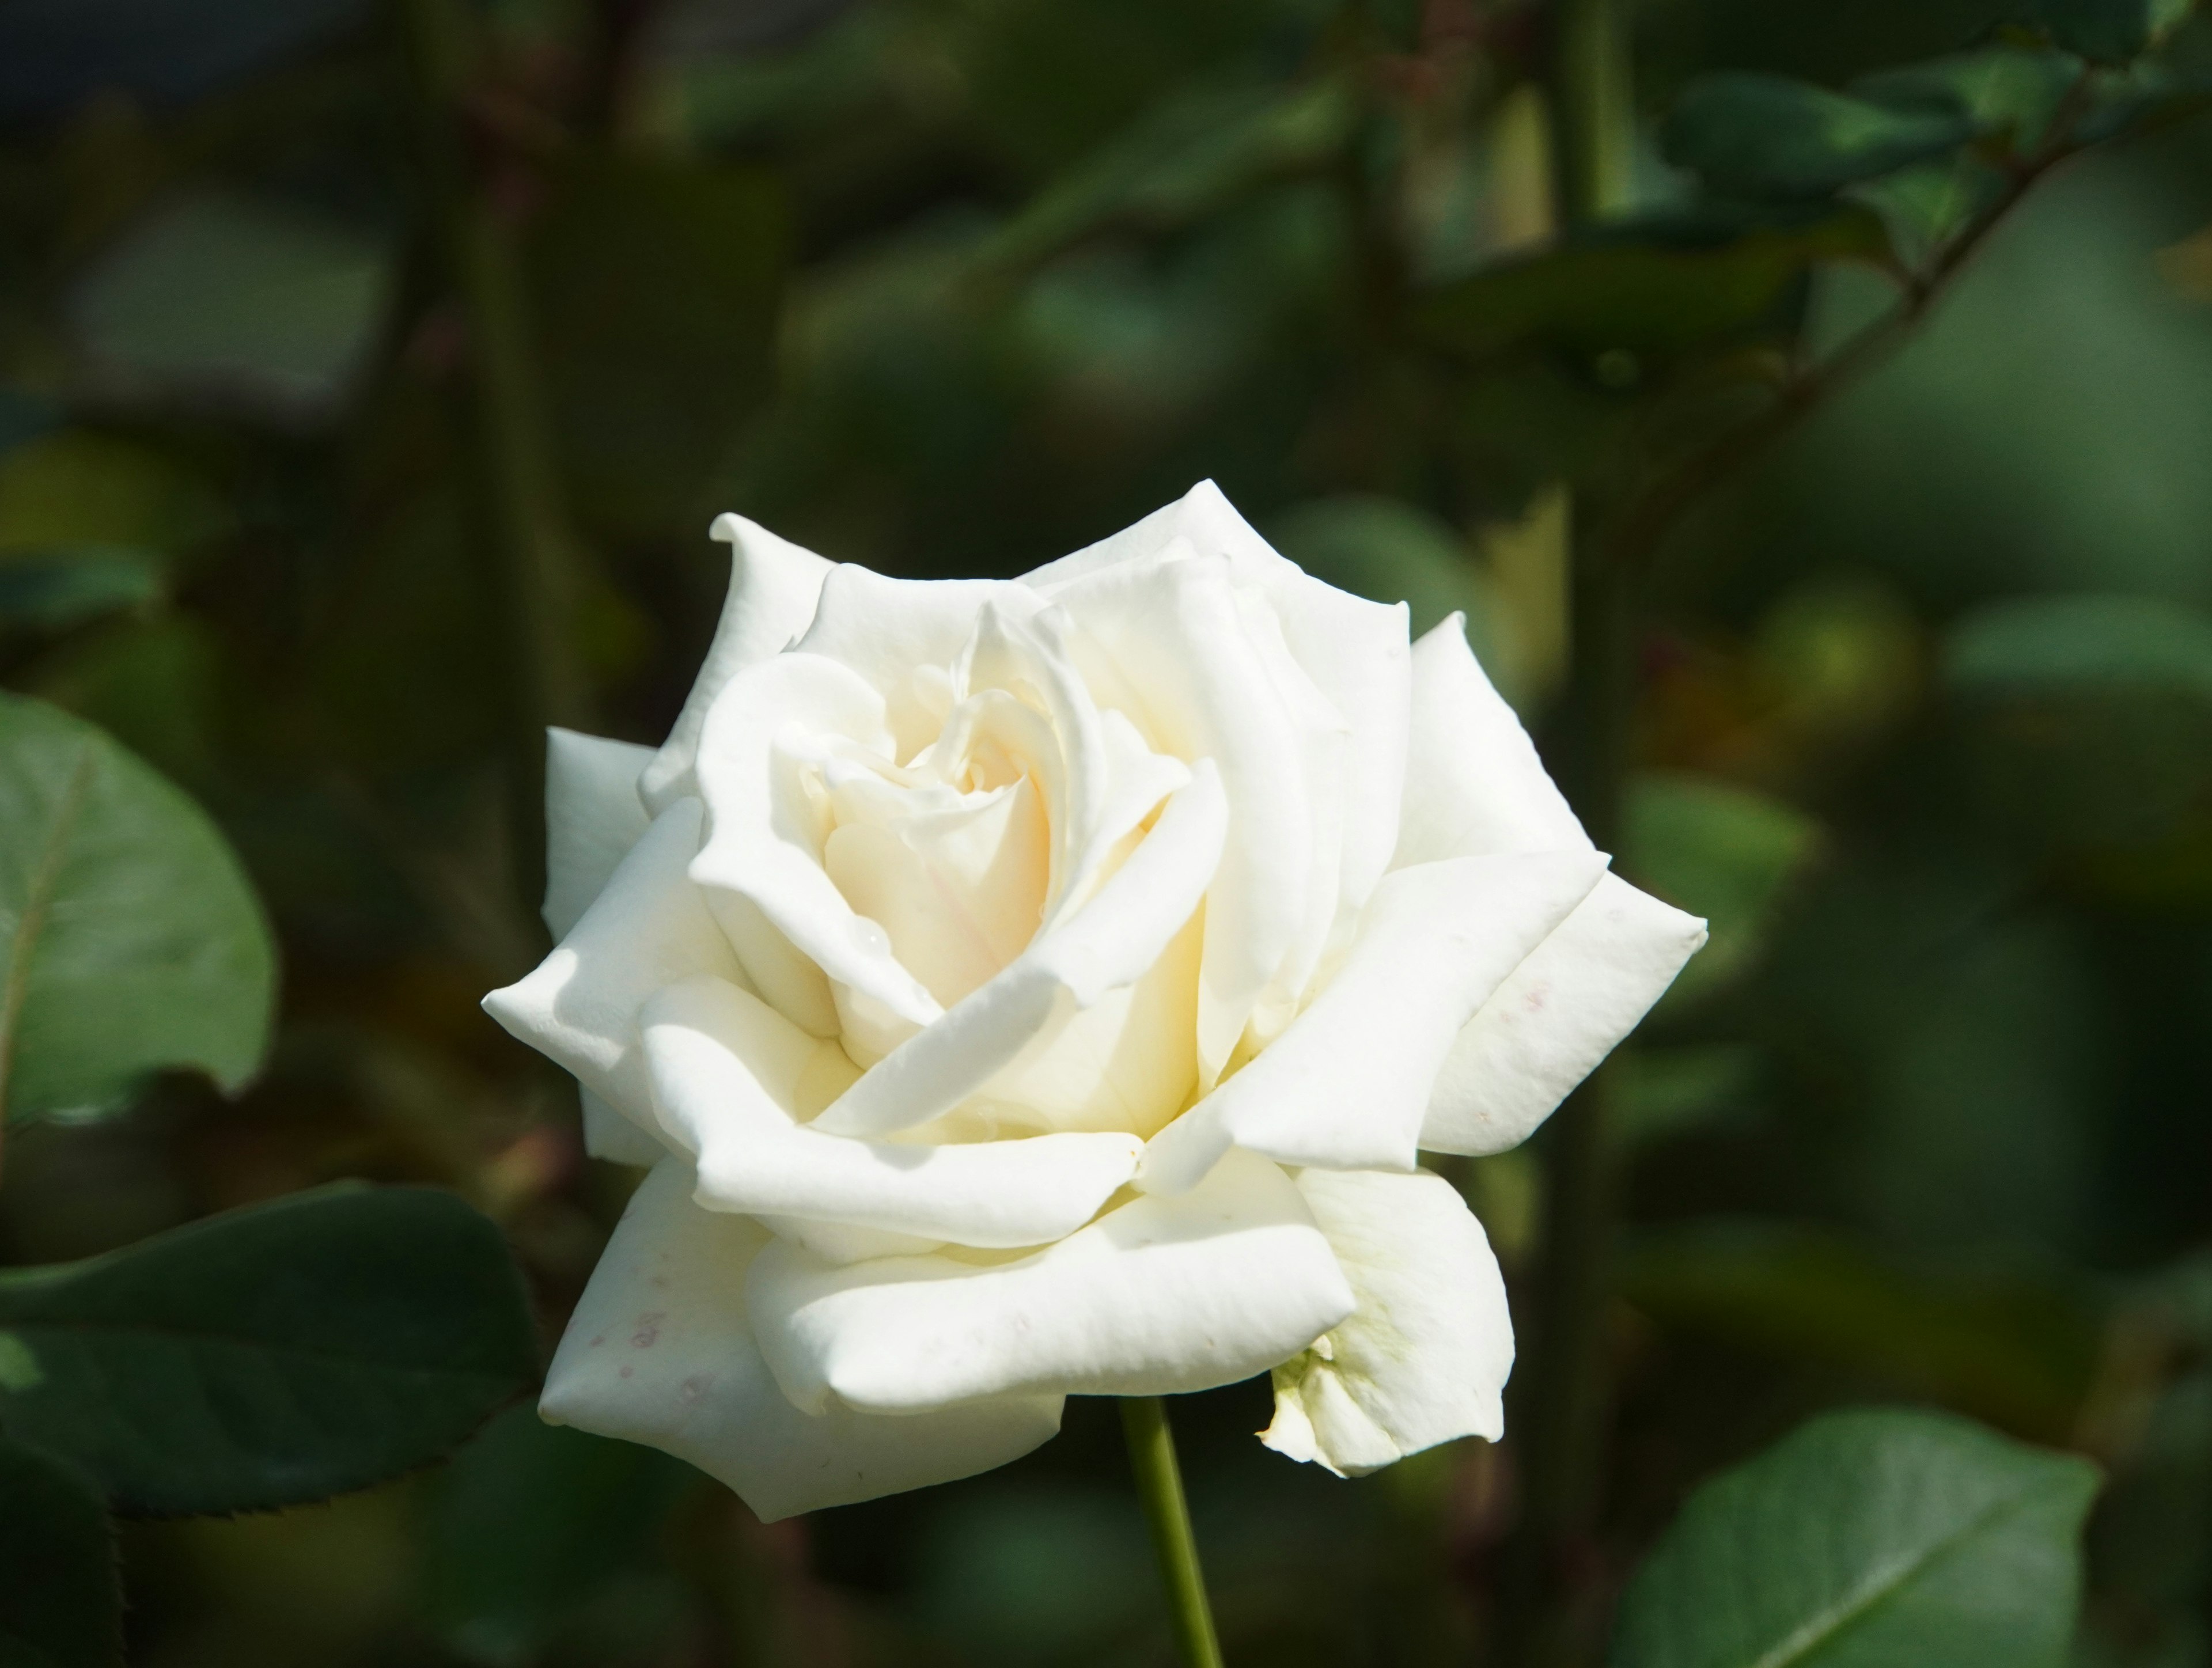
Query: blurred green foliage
pixel 955 285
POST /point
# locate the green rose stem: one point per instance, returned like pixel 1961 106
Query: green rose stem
pixel 534 556
pixel 1159 1483
pixel 1560 1406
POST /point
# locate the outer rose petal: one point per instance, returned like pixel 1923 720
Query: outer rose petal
pixel 1475 786
pixel 1159 1295
pixel 592 817
pixel 728 1078
pixel 1560 1012
pixel 1425 1356
pixel 660 1352
pixel 646 930
pixel 1353 650
pixel 774 587
pixel 1348 1084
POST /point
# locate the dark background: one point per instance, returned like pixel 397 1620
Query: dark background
pixel 951 286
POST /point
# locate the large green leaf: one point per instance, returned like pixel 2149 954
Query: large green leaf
pixel 1869 1539
pixel 1761 135
pixel 130 939
pixel 271 1356
pixel 60 1603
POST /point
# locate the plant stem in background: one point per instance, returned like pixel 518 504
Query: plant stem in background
pixel 1561 1408
pixel 533 555
pixel 1159 1483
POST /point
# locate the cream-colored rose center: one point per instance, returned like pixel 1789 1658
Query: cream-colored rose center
pixel 954 855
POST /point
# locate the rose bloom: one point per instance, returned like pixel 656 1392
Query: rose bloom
pixel 1043 987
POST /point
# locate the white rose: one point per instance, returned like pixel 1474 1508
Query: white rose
pixel 1044 987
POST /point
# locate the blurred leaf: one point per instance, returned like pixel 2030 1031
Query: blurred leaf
pixel 2109 31
pixel 2021 1354
pixel 150 681
pixel 1718 850
pixel 133 940
pixel 1181 161
pixel 52 589
pixel 1868 1537
pixel 1659 286
pixel 78 487
pixel 61 1605
pixel 1761 135
pixel 1387 551
pixel 654 359
pixel 56 53
pixel 235 301
pixel 530 1520
pixel 271 1356
pixel 2003 88
pixel 2083 642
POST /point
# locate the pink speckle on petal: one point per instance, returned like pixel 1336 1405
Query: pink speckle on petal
pixel 627 1371
pixel 696 1386
pixel 648 1330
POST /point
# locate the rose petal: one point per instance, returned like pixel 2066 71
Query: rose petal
pixel 774 588
pixel 648 928
pixel 1110 943
pixel 1425 1357
pixel 1556 1017
pixel 661 1351
pixel 885 629
pixel 761 866
pixel 1475 786
pixel 1346 1085
pixel 1158 1296
pixel 1165 640
pixel 1354 651
pixel 730 1076
pixel 592 817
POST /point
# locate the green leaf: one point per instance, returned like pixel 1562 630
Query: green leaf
pixel 239 300
pixel 1663 286
pixel 272 1355
pixel 2109 31
pixel 52 589
pixel 130 939
pixel 2002 88
pixel 2082 642
pixel 1869 1539
pixel 1719 851
pixel 531 1521
pixel 1759 135
pixel 2018 1352
pixel 61 1604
